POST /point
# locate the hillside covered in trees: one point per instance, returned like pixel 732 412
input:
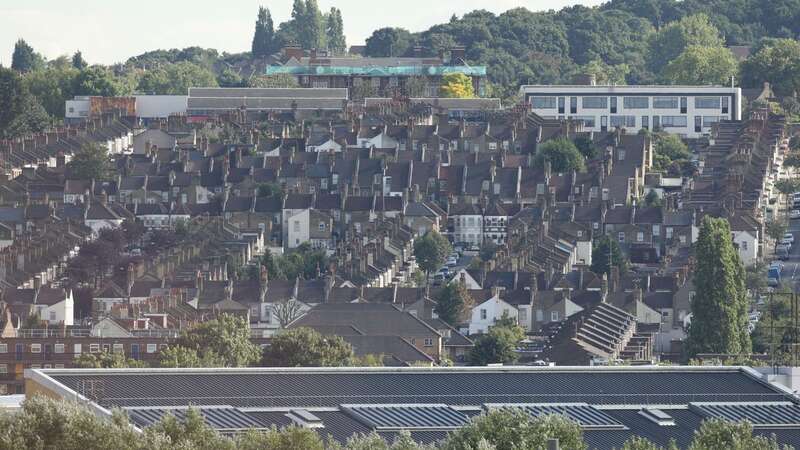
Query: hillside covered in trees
pixel 622 41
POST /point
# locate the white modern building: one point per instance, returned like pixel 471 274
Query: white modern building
pixel 689 111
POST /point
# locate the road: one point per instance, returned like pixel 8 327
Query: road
pixel 790 275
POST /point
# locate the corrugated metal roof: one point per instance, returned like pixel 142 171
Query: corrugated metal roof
pixel 765 415
pixel 407 417
pixel 221 419
pixel 587 416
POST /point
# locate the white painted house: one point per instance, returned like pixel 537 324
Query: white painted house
pixel 487 313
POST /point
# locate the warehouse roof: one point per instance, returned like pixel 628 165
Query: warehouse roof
pixel 610 403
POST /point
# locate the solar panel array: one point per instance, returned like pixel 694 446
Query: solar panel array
pixel 587 416
pixel 221 419
pixel 407 417
pixel 764 415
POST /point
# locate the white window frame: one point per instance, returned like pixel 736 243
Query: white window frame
pixel 58 348
pixel 36 348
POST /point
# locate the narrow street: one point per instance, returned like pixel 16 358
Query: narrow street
pixel 790 274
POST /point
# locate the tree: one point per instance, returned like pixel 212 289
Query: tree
pixel 606 249
pixel 177 356
pixel 191 432
pixel 457 85
pixel 24 58
pixel 287 311
pixel 606 74
pixel 20 113
pixel 229 78
pixel 90 163
pixel 305 347
pixel 675 37
pixel 794 143
pixel 388 42
pixel 335 32
pixel 511 428
pixel 314 34
pixel 176 79
pixel 776 61
pixel 453 303
pixel 639 443
pixel 498 345
pixel 720 306
pixel 702 65
pixel 52 87
pixel 585 145
pixel 717 434
pixel 487 251
pixel 562 154
pixel 775 229
pixel 78 62
pixel 288 438
pixel 97 80
pixel 264 34
pixel 106 360
pixel 278 80
pixel 430 251
pixel 226 338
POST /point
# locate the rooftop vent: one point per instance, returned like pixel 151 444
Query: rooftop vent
pixel 305 419
pixel 658 416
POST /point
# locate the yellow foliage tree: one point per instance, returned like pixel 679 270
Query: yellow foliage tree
pixel 457 85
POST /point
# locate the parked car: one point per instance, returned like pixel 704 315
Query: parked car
pixel 788 237
pixel 782 251
pixel 794 214
pixel 451 262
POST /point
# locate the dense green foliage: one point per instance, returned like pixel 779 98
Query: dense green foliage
pixel 224 340
pixel 457 85
pixel 562 154
pixel 303 261
pixel 264 36
pixel 498 345
pixel 105 360
pixel 671 155
pixel 720 305
pixel 24 58
pixel 431 251
pixel 20 113
pixel 453 303
pixel 605 251
pixel 91 162
pixel 305 347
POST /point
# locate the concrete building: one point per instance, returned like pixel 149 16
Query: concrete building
pixel 689 111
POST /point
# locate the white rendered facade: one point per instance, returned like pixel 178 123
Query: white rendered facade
pixel 689 111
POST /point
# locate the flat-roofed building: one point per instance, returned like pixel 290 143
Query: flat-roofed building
pixel 611 404
pixel 689 111
pixel 213 101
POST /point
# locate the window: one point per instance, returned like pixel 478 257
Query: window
pixel 523 315
pixel 94 348
pixel 623 121
pixel 639 237
pixel 707 102
pixel 483 314
pixel 3 368
pixel 554 316
pixel 561 105
pixel 725 105
pixel 743 245
pixel 656 230
pixel 539 315
pixel 595 102
pixel 543 102
pixel 36 348
pixel 3 348
pixel 668 233
pixel 151 348
pixel 52 316
pixel 118 348
pixel 322 226
pixel 573 105
pixel 709 121
pixel 428 342
pixel 613 105
pixel 682 238
pixel 36 366
pixel 621 236
pixel 683 105
pixel 673 121
pixel 296 226
pixel 656 122
pixel 588 121
pixel 59 366
pixel 76 349
pixel 58 348
pixel 665 102
pixel 646 122
pixel 636 102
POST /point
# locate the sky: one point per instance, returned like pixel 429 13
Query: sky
pixel 109 31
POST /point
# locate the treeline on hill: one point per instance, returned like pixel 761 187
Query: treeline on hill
pixel 622 41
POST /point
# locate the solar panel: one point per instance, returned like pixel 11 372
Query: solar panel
pixel 587 416
pixel 407 417
pixel 759 414
pixel 221 419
